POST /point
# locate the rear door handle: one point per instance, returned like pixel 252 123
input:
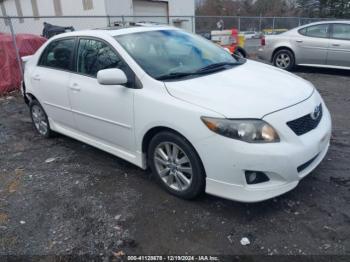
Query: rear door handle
pixel 335 44
pixel 36 77
pixel 299 41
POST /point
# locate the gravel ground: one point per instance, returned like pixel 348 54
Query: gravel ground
pixel 61 197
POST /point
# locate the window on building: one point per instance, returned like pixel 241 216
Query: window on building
pixel 35 9
pixel 88 4
pixel 58 7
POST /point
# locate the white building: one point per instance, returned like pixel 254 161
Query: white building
pixel 175 12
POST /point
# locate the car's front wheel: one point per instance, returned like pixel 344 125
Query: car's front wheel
pixel 40 119
pixel 284 59
pixel 176 165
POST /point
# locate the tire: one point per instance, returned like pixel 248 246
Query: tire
pixel 40 120
pixel 240 53
pixel 182 176
pixel 284 59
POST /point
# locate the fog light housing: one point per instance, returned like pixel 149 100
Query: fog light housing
pixel 255 177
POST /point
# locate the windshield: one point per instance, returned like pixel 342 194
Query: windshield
pixel 169 52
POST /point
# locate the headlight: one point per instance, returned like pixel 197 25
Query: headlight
pixel 251 131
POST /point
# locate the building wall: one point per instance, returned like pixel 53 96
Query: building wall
pixel 182 8
pixel 47 8
pixel 176 8
pixel 76 7
pixel 119 8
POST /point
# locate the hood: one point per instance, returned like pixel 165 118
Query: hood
pixel 251 90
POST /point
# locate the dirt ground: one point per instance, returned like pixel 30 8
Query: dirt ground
pixel 60 197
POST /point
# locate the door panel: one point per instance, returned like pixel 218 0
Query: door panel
pixel 51 78
pixel 104 112
pixel 53 85
pixel 339 50
pixel 312 45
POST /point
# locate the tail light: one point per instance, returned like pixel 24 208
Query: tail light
pixel 263 41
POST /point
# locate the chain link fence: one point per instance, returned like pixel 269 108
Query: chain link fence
pixel 206 24
pixel 198 24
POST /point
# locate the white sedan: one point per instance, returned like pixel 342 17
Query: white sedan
pixel 162 98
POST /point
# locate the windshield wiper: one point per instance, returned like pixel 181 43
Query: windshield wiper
pixel 176 75
pixel 205 70
pixel 217 66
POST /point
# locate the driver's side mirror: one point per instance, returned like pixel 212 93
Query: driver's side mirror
pixel 112 76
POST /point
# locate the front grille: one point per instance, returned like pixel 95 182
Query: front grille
pixel 307 164
pixel 306 123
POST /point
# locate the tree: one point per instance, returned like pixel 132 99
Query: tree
pixel 305 8
pixel 246 7
pixel 324 8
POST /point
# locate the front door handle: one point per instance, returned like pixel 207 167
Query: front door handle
pixel 335 44
pixel 299 41
pixel 75 87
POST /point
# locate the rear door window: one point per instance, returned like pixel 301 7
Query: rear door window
pixel 341 31
pixel 58 54
pixel 319 31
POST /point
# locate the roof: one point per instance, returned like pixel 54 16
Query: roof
pixel 327 22
pixel 116 31
pixel 138 29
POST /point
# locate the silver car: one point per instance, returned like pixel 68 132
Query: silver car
pixel 322 44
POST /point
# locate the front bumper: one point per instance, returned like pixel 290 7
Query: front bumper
pixel 226 160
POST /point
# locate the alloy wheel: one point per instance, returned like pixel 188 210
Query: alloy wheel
pixel 283 60
pixel 173 166
pixel 40 120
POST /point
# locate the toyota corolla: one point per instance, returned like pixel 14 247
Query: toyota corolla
pixel 162 98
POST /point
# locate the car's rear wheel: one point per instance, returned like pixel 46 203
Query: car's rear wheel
pixel 40 119
pixel 284 59
pixel 176 165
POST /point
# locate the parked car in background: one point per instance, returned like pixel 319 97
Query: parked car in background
pixel 251 34
pixel 275 31
pixel 322 44
pixel 163 98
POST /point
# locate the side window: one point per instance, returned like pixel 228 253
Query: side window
pixel 341 31
pixel 321 31
pixel 58 54
pixel 94 55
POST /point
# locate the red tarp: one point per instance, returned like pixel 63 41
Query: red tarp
pixel 10 74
